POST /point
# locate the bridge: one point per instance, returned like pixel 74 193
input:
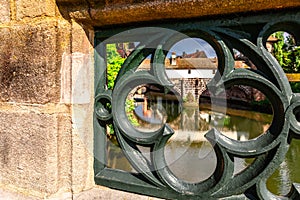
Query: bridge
pixel 59 120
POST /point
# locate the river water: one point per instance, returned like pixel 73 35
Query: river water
pixel 191 157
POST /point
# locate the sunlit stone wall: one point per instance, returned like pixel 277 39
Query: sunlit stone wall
pixel 42 154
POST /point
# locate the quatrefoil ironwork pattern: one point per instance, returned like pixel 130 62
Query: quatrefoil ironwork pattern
pixel 247 35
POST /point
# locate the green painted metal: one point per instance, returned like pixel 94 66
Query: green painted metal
pixel 246 34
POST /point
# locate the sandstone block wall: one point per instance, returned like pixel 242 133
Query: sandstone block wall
pixel 43 148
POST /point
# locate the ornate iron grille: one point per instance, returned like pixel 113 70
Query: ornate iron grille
pixel 152 175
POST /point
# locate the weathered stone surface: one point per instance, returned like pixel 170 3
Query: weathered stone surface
pixel 82 162
pixel 82 151
pixel 36 149
pixel 102 193
pixel 101 13
pixel 77 89
pixel 28 151
pixel 63 59
pixel 14 196
pixel 82 39
pixel 34 8
pixel 98 193
pixel 64 152
pixel 5 55
pixel 4 11
pixel 29 71
pixel 82 109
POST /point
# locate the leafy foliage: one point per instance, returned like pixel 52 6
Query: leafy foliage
pixel 129 108
pixel 114 63
pixel 288 56
pixel 295 87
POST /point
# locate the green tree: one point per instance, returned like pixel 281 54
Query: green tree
pixel 114 64
pixel 288 55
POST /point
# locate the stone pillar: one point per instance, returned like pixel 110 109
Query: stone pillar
pixel 35 128
pixel 46 105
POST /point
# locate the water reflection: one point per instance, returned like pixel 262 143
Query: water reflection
pixel 191 161
pixel 191 157
pixel 288 172
pixel 152 106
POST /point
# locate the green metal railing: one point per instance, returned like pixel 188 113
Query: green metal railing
pixel 152 175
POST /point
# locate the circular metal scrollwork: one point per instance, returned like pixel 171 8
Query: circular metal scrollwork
pixel 268 149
